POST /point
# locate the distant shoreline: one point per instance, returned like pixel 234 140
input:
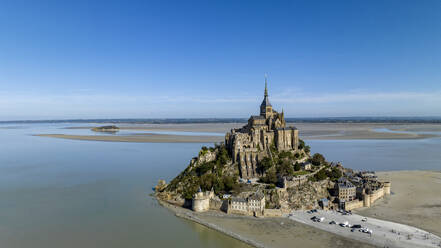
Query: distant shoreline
pixel 361 119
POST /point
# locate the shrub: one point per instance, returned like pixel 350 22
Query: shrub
pixel 264 165
pixel 318 159
pixel 285 168
pixel 321 175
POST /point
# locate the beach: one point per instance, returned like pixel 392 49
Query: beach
pixel 265 232
pixel 415 201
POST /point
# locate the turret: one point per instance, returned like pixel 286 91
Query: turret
pixel 387 188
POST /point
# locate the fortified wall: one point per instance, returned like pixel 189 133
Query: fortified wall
pixel 369 198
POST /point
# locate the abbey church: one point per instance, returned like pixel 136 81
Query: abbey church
pixel 251 143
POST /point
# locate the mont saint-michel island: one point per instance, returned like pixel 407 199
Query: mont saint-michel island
pixel 264 170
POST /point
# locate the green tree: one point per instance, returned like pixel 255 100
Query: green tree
pixel 264 165
pixel 318 159
pixel 270 176
pixel 297 166
pixel 285 168
pixel 321 175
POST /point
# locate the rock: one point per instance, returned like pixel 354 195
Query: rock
pixel 160 186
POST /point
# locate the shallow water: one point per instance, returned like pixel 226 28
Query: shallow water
pixel 71 193
pixel 67 193
pixel 382 155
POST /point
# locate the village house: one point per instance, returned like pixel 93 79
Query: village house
pixel 253 205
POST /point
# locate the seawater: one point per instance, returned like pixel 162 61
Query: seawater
pixel 71 193
pixel 66 193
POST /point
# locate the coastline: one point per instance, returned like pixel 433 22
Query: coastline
pixel 283 231
pixel 274 232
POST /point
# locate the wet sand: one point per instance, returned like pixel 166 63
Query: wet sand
pixel 144 138
pixel 266 232
pixel 308 131
pixel 415 200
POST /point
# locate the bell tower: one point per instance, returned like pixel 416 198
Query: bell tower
pixel 266 109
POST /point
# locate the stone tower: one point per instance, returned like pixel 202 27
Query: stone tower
pixel 265 108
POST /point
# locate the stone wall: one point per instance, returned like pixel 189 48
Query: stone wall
pixel 349 205
pixel 376 195
pixel 200 205
pixel 273 212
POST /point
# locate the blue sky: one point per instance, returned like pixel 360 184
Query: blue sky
pixel 159 59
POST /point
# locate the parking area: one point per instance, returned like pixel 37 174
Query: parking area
pixel 377 232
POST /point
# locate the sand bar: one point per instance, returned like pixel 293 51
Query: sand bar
pixel 308 131
pixel 145 138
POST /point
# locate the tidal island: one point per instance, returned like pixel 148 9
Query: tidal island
pixel 264 170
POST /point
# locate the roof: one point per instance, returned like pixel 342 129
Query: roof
pixel 256 196
pixel 238 199
pixel 346 184
pixel 287 128
pixel 265 102
pixel 257 117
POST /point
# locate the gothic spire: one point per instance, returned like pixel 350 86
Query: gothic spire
pixel 266 85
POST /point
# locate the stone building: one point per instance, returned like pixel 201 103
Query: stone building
pixel 366 195
pixel 346 190
pixel 201 200
pixel 252 205
pixel 251 143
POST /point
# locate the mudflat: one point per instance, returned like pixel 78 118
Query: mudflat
pixel 143 138
pixel 308 131
pixel 415 200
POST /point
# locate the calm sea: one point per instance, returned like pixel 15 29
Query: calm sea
pixel 67 193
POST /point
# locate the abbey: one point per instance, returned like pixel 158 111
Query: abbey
pixel 251 143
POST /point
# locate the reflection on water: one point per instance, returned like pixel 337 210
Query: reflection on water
pixel 69 193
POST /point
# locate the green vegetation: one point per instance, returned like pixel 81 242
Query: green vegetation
pixel 304 147
pixel 206 175
pixel 332 173
pixel 264 165
pixel 270 177
pixel 318 159
pixel 299 173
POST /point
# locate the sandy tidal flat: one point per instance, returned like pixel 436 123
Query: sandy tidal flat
pixel 415 200
pixel 308 131
pixel 144 138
